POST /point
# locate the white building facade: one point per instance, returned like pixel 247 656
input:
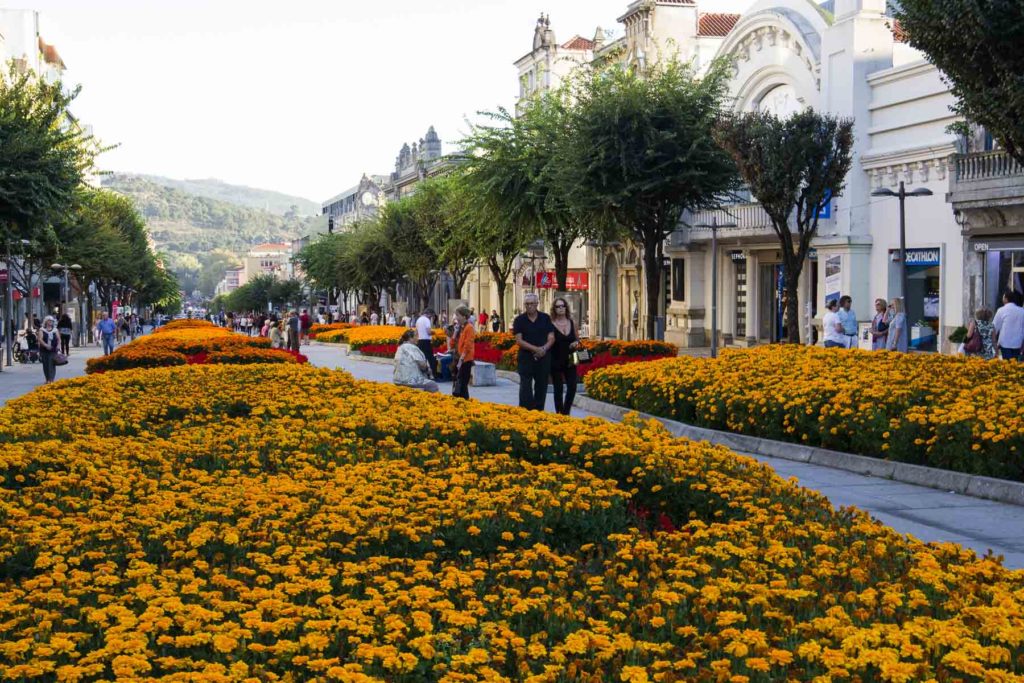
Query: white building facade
pixel 843 57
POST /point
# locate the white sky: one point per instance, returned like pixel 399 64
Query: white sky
pixel 299 96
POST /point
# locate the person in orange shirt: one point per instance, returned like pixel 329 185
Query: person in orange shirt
pixel 464 352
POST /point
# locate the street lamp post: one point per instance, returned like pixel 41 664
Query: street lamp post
pixel 714 278
pixel 9 305
pixel 902 196
pixel 65 292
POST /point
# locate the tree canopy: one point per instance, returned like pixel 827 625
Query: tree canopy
pixel 979 46
pixel 793 167
pixel 642 153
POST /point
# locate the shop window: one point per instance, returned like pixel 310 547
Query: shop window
pixel 678 279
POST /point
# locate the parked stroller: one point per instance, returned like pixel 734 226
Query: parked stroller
pixel 26 347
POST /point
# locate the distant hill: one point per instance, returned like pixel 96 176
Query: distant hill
pixel 184 223
pixel 211 188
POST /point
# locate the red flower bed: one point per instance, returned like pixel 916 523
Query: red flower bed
pixel 379 350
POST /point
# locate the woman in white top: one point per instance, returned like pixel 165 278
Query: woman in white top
pixel 411 365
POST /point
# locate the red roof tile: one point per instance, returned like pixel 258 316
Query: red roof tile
pixel 716 24
pixel 578 43
pixel 50 55
pixel 898 33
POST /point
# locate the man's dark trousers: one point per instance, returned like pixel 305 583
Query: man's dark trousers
pixel 428 351
pixel 533 381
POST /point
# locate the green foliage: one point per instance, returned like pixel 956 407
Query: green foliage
pixel 402 225
pixel 517 167
pixel 181 223
pixel 212 265
pixel 642 152
pixel 44 154
pixel 239 195
pixel 285 292
pixel 791 167
pixel 107 237
pixel 440 206
pixel 979 46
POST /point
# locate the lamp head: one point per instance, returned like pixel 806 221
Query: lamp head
pixel 883 192
pixel 56 266
pixel 75 266
pixel 920 192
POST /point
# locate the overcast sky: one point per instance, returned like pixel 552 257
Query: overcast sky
pixel 300 96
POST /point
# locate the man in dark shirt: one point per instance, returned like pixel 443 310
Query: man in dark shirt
pixel 535 334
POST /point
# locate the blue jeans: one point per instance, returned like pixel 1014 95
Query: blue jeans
pixel 108 343
pixel 1009 354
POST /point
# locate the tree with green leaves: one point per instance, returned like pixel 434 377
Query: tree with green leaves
pixel 441 213
pixel 212 265
pixel 402 225
pixel 792 166
pixel 979 46
pixel 517 165
pixel 286 292
pixel 642 153
pixel 44 154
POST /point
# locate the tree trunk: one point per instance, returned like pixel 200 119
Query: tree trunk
pixel 561 250
pixel 793 265
pixel 500 283
pixel 652 265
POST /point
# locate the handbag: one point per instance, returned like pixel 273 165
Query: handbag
pixel 60 359
pixel 581 355
pixel 973 343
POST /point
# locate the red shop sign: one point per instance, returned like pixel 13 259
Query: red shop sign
pixel 575 280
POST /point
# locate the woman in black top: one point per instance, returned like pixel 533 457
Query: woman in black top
pixel 563 371
pixel 65 327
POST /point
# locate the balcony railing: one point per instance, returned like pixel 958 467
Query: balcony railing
pixel 750 216
pixel 986 165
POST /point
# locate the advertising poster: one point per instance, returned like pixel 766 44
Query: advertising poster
pixel 833 277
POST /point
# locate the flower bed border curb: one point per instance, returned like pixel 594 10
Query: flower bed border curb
pixel 989 488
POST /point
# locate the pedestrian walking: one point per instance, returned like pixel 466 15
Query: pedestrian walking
pixel 482 319
pixel 391 319
pixel 305 323
pixel 980 331
pixel 563 369
pixel 495 321
pixel 897 338
pixel 49 347
pixel 1009 326
pixel 292 325
pixel 880 325
pixel 374 318
pixel 464 348
pixel 65 327
pixel 423 340
pixel 835 336
pixel 107 330
pixel 848 319
pixel 535 335
pixel 411 366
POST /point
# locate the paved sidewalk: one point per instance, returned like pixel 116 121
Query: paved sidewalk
pixel 22 378
pixel 927 514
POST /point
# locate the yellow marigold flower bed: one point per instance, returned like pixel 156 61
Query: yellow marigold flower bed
pixel 953 412
pixel 286 523
pixel 197 342
pixel 373 336
pixel 318 328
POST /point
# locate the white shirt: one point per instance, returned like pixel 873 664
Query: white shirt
pixel 374 319
pixel 828 324
pixel 1009 323
pixel 423 327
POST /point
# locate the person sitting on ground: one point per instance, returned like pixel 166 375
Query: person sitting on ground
pixel 411 365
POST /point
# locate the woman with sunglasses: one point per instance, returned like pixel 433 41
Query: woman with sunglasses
pixel 563 370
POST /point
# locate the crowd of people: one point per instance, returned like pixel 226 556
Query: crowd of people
pixel 547 344
pixel 989 335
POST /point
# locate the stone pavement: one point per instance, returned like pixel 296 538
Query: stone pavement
pixel 927 514
pixel 22 378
